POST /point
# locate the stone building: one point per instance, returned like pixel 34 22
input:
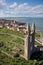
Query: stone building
pixel 29 41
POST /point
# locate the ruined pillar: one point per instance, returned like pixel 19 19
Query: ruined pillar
pixel 27 44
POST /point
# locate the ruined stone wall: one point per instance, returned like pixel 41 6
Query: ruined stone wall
pixel 29 41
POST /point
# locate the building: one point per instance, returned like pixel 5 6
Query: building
pixel 1 26
pixel 13 25
pixel 21 26
pixel 1 23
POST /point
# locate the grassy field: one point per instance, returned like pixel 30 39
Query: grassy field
pixel 4 30
pixel 9 42
pixel 5 60
pixel 37 35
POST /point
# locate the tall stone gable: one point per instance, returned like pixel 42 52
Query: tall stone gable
pixel 29 41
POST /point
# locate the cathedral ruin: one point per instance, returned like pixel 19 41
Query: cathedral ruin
pixel 29 41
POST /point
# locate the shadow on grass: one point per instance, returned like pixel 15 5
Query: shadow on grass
pixel 37 55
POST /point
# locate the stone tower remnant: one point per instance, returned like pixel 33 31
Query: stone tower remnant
pixel 29 41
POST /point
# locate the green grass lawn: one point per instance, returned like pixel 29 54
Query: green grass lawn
pixel 10 42
pixel 4 30
pixel 4 60
pixel 37 35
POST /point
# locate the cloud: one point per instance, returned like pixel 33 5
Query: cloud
pixel 37 9
pixel 13 5
pixel 3 5
pixel 23 10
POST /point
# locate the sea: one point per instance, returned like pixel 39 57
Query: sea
pixel 37 20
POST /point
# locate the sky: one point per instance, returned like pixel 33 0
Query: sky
pixel 21 8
